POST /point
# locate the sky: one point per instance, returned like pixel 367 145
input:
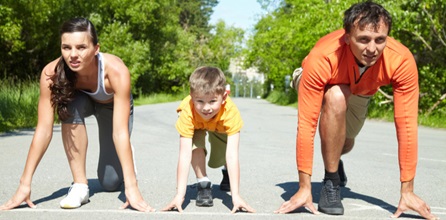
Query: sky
pixel 238 13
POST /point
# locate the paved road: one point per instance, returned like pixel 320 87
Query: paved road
pixel 268 170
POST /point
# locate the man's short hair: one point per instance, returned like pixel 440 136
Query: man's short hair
pixel 366 13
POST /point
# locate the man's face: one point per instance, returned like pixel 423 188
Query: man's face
pixel 367 45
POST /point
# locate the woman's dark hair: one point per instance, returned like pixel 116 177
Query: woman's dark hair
pixel 64 79
pixel 365 13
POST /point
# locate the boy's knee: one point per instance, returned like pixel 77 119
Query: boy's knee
pixel 198 152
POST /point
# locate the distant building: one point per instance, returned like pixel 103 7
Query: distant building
pixel 251 74
pixel 247 82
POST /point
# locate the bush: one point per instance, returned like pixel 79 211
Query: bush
pixel 18 104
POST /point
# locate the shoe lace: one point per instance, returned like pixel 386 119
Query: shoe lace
pixel 69 190
pixel 205 193
pixel 332 193
pixel 75 191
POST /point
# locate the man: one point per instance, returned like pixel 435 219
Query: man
pixel 336 82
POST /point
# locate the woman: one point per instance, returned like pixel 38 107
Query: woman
pixel 84 82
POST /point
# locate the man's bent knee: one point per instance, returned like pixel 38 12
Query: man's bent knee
pixel 336 96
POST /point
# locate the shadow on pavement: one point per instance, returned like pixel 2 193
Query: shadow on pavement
pixel 93 185
pixel 290 188
pixel 57 194
pixel 191 194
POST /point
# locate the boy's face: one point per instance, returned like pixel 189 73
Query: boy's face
pixel 207 106
pixel 367 45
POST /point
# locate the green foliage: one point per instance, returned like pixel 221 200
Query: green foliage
pixel 10 29
pixel 18 105
pixel 118 40
pixel 421 26
pixel 281 98
pixel 224 45
pixel 161 41
pixel 194 16
pixel 285 36
pixel 159 98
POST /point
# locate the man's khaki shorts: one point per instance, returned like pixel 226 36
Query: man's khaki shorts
pixel 218 142
pixel 357 107
pixel 356 114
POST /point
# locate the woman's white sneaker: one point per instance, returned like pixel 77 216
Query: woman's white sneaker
pixel 78 195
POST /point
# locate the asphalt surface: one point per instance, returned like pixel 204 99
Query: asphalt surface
pixel 268 170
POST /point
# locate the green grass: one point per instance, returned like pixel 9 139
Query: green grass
pixel 280 98
pixel 433 121
pixel 158 98
pixel 375 112
pixel 18 105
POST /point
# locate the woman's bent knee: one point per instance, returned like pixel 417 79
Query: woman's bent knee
pixel 110 180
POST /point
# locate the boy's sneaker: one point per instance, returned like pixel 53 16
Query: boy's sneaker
pixel 204 195
pixel 78 195
pixel 330 200
pixel 342 175
pixel 224 185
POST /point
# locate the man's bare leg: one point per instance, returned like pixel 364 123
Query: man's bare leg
pixel 332 129
pixel 332 126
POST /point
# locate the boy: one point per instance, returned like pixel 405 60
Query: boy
pixel 208 109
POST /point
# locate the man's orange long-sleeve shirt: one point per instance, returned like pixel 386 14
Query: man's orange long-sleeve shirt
pixel 332 62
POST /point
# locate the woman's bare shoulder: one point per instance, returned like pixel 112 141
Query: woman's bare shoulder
pixel 112 58
pixel 50 68
pixel 114 64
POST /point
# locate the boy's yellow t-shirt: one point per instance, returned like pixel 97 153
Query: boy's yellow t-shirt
pixel 227 121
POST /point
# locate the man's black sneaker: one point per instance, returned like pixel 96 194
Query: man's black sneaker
pixel 224 185
pixel 342 175
pixel 204 195
pixel 330 200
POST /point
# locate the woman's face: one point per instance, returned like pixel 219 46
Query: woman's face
pixel 78 50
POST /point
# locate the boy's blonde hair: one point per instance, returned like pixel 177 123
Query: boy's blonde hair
pixel 207 80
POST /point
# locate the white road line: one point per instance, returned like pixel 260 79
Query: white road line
pixel 419 158
pixel 438 210
pixel 361 207
pixel 134 212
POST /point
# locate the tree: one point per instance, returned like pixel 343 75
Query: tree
pixel 285 36
pixel 421 26
pixel 10 38
pixel 195 15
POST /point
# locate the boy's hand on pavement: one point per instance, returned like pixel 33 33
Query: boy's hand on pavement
pixel 176 203
pixel 240 204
